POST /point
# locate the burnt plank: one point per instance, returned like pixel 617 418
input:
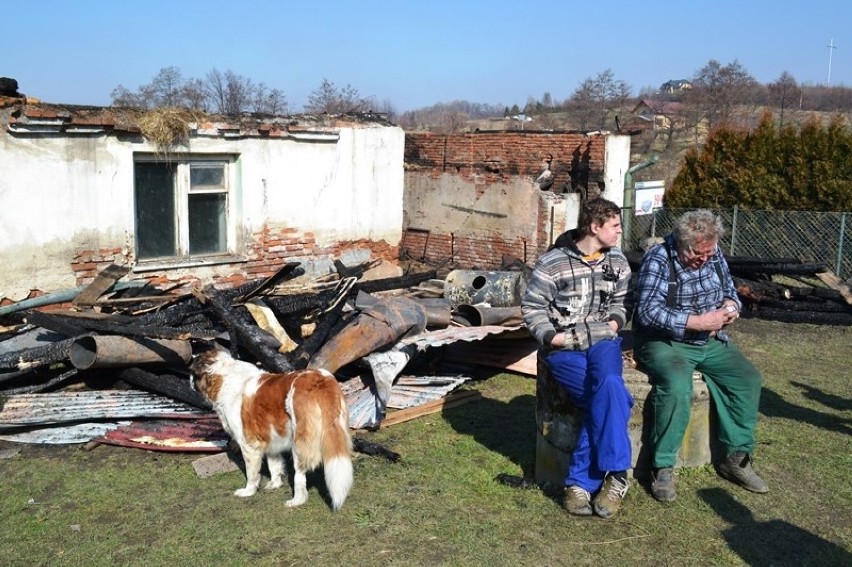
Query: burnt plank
pixel 105 279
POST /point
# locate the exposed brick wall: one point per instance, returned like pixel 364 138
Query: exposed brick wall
pixel 489 160
pixel 495 156
pixel 269 250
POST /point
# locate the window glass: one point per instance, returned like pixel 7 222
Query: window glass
pixel 156 234
pixel 207 223
pixel 206 176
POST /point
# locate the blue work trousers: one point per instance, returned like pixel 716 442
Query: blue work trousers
pixel 593 380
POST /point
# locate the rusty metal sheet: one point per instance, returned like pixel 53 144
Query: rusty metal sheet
pixel 32 410
pixel 200 435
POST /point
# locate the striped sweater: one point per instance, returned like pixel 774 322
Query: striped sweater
pixel 569 293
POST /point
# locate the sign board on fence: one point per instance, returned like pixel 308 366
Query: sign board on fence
pixel 649 196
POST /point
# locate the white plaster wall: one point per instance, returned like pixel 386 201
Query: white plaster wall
pixel 616 164
pixel 61 195
pixel 452 203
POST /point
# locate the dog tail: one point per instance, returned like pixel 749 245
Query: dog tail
pixel 337 458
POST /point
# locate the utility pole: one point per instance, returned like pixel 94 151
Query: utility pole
pixel 831 47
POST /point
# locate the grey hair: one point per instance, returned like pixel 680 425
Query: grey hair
pixel 697 226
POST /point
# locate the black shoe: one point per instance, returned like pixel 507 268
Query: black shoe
pixel 663 488
pixel 737 468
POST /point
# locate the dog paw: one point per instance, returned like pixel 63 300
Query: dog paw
pixel 245 492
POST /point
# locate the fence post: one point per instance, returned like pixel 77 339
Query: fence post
pixel 734 230
pixel 839 269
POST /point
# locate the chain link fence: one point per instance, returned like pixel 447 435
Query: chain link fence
pixel 811 237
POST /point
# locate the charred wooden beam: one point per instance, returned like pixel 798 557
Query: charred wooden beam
pixel 755 290
pixel 122 327
pixel 43 386
pixel 169 385
pixel 36 357
pixel 53 323
pixel 782 269
pixel 104 281
pixel 251 337
pixel 814 317
pixel 814 304
pixel 738 261
pixel 330 322
pixel 287 271
pixel 401 282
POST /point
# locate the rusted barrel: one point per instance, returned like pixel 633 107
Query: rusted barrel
pixel 498 289
pixel 112 351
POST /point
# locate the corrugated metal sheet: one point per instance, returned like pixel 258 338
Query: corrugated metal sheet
pixel 31 410
pixel 407 391
pixel 204 434
pixel 454 334
pixel 61 434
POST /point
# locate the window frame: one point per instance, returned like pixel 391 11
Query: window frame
pixel 182 192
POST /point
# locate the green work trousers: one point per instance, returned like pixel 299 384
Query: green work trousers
pixel 734 385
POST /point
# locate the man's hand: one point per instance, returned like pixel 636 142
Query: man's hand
pixel 712 320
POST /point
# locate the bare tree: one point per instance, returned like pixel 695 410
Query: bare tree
pixel 783 93
pixel 718 89
pixel 226 93
pixel 194 95
pixel 269 101
pixel 230 94
pixel 596 97
pixel 122 96
pixel 167 88
pixel 332 100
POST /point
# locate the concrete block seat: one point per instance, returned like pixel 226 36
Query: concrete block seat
pixel 557 422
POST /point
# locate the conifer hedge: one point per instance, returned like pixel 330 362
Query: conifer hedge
pixel 807 168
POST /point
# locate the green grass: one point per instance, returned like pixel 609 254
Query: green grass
pixel 441 505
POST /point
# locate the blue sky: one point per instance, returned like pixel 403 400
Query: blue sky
pixel 416 54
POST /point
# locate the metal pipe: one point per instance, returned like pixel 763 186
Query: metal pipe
pixel 497 289
pixel 112 351
pixel 62 297
pixel 479 316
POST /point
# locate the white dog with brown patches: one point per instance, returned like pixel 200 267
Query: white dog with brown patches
pixel 268 414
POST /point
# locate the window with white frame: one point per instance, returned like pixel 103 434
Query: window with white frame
pixel 182 207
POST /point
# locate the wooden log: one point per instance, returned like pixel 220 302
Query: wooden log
pixel 256 341
pixel 830 279
pixel 169 385
pixel 813 317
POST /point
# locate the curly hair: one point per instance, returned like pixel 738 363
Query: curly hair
pixel 596 211
pixel 697 226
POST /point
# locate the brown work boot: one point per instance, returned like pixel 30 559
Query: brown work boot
pixel 608 500
pixel 736 467
pixel 663 486
pixel 577 501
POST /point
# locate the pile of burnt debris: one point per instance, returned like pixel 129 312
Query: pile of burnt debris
pixel 786 290
pixel 108 362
